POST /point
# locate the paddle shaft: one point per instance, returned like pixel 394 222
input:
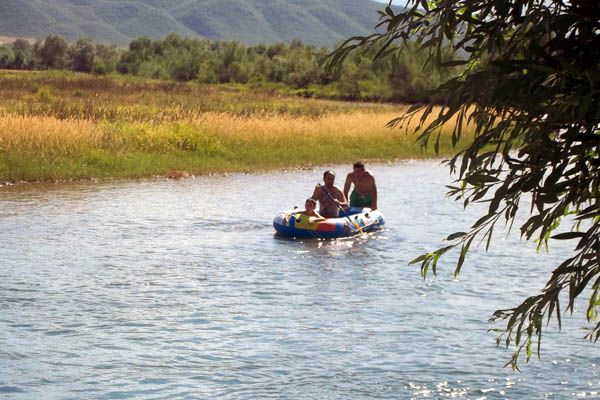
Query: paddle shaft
pixel 341 209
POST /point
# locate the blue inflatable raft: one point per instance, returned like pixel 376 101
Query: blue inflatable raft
pixel 296 224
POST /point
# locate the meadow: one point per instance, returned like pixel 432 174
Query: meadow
pixel 57 125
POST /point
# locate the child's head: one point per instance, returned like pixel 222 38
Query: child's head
pixel 310 205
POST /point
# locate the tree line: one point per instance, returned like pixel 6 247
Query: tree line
pixel 290 66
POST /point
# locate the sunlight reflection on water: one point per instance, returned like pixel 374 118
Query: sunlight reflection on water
pixel 162 289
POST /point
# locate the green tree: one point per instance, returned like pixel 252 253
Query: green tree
pixel 140 51
pixel 7 57
pixel 303 70
pixel 531 87
pixel 348 82
pixel 82 55
pixel 53 52
pixel 231 56
pixel 185 67
pixel 23 54
pixel 106 59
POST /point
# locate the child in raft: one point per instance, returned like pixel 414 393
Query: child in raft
pixel 310 205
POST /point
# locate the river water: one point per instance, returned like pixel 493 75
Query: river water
pixel 179 289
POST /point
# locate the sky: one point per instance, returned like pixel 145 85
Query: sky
pixel 394 2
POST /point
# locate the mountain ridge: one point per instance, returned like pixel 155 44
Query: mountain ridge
pixel 320 23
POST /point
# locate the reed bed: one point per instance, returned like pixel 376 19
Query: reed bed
pixel 50 132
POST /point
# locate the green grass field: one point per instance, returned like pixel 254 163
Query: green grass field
pixel 62 126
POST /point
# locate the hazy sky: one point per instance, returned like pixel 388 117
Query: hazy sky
pixel 394 2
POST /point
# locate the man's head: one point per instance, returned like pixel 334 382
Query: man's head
pixel 310 204
pixel 329 178
pixel 359 169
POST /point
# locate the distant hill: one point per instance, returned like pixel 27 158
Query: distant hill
pixel 317 22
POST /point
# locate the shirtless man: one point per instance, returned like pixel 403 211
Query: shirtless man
pixel 329 208
pixel 365 190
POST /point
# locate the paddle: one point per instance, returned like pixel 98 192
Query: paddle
pixel 341 209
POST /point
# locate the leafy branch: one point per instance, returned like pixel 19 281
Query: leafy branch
pixel 530 87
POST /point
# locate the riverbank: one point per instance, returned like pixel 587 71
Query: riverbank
pixel 57 126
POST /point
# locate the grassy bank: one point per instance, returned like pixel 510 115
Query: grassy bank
pixel 57 126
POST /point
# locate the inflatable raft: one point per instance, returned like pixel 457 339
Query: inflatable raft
pixel 296 224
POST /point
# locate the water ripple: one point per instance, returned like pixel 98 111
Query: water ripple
pixel 160 290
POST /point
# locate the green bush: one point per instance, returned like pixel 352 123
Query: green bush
pixel 287 68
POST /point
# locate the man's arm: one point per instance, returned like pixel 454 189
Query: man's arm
pixel 374 196
pixel 341 198
pixel 347 185
pixel 316 193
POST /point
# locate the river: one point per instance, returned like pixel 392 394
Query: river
pixel 179 289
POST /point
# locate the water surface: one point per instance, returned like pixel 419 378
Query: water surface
pixel 161 289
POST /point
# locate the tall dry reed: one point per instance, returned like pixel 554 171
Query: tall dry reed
pixel 73 127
